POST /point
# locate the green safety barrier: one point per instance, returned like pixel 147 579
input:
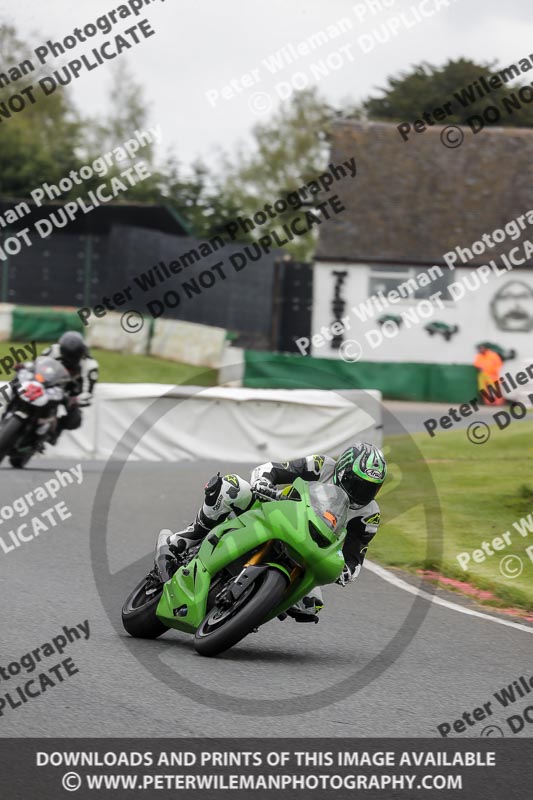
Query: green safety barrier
pixel 440 383
pixel 35 323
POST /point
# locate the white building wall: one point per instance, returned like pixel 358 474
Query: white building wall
pixel 474 312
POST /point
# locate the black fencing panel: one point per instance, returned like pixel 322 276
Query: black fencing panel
pixel 51 272
pixel 226 285
pixel 295 303
pixel 62 270
pixel 227 288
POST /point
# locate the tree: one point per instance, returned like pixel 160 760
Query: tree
pixel 128 110
pixel 38 143
pixel 196 197
pixel 427 87
pixel 127 113
pixel 290 150
pixel 49 138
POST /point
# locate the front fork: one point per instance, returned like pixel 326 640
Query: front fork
pixel 257 558
pixel 254 567
pixel 36 430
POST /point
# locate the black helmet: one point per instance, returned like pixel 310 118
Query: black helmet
pixel 360 471
pixel 72 349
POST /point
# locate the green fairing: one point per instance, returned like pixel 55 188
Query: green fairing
pixel 283 520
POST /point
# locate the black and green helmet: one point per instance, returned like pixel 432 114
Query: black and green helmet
pixel 360 471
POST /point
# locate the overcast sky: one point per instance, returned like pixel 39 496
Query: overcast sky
pixel 201 46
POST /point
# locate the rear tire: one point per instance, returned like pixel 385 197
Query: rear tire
pixel 138 614
pixel 210 640
pixel 9 433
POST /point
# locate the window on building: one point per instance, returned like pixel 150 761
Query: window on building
pixel 412 283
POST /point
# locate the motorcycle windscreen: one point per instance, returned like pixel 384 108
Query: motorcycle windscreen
pixel 331 504
pixel 50 372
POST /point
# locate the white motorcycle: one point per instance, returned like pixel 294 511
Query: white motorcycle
pixel 31 415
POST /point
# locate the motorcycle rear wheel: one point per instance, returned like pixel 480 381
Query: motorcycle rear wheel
pixel 221 629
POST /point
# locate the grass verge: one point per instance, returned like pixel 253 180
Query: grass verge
pixel 481 490
pixel 126 368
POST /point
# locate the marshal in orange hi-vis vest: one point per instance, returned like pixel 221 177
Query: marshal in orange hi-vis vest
pixel 489 365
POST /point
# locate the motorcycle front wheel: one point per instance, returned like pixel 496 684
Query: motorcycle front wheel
pixel 138 613
pixel 9 433
pixel 224 627
pixel 19 460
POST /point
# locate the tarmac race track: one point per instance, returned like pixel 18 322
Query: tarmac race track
pixel 368 669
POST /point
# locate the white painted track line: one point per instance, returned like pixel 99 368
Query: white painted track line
pixel 438 601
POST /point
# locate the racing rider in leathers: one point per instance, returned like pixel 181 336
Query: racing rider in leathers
pixel 360 471
pixel 73 353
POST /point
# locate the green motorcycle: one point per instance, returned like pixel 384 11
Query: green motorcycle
pixel 247 571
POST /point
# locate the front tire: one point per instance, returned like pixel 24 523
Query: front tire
pixel 19 461
pixel 9 433
pixel 211 638
pixel 138 613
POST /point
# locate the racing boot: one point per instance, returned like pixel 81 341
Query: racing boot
pixel 170 546
pixel 49 433
pixel 306 609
